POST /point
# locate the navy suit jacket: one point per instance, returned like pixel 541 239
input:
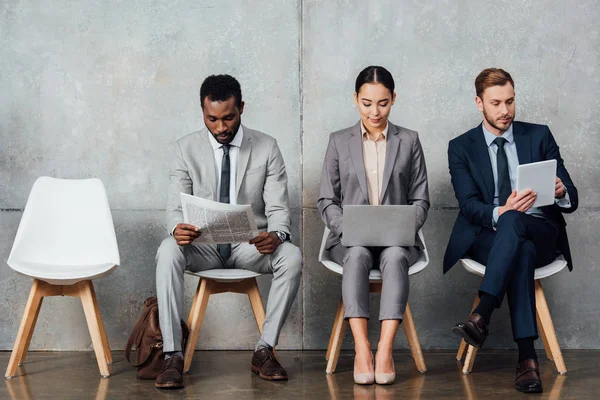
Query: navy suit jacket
pixel 473 181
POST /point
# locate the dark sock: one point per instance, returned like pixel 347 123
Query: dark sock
pixel 261 343
pixel 487 304
pixel 526 349
pixel 169 354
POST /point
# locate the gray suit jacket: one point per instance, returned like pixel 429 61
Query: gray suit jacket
pixel 344 181
pixel 261 178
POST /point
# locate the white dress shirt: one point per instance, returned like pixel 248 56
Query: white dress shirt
pixel 234 152
pixel 374 159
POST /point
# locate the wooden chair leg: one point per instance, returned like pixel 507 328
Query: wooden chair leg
pixel 256 302
pixel 87 295
pixel 462 349
pixel 340 328
pixel 469 360
pixel 413 340
pixel 104 337
pixel 337 319
pixel 194 304
pixel 26 328
pixel 196 317
pixel 544 338
pixel 548 328
pixel 35 318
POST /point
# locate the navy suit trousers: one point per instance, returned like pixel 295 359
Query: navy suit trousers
pixel 520 244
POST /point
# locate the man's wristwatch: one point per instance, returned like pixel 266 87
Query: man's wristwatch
pixel 283 236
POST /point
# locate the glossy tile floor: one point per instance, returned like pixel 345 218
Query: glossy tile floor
pixel 226 375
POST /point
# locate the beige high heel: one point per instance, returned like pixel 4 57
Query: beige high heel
pixel 365 378
pixel 386 378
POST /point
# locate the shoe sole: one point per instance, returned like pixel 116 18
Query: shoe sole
pixel 168 385
pixel 532 390
pixel 460 332
pixel 256 371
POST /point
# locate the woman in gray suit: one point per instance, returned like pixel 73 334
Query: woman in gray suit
pixel 373 162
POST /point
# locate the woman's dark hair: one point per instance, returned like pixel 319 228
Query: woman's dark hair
pixel 221 88
pixel 375 74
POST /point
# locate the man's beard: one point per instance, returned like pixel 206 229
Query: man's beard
pixel 493 123
pixel 230 134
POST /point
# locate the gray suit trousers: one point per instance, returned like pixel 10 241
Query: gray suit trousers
pixel 358 261
pixel 172 261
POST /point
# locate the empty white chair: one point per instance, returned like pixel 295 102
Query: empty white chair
pixel 545 324
pixel 66 239
pixel 216 281
pixel 340 325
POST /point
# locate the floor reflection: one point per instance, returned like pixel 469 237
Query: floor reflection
pixel 411 389
pixel 552 389
pixel 19 388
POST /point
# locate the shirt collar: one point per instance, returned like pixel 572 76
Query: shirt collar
pixel 363 130
pixel 490 137
pixel 236 142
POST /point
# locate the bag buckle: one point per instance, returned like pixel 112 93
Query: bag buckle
pixel 157 345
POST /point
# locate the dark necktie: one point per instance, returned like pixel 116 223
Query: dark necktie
pixel 224 249
pixel 504 188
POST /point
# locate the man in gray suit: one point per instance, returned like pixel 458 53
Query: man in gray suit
pixel 230 163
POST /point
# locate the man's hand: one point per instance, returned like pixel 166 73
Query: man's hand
pixel 559 189
pixel 185 234
pixel 266 242
pixel 518 202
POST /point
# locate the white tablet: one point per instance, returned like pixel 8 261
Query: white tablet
pixel 539 177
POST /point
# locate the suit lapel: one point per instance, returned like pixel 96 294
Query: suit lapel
pixel 243 157
pixel 356 152
pixel 209 162
pixel 523 143
pixel 479 151
pixel 392 148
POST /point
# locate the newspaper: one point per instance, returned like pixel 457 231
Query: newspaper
pixel 219 222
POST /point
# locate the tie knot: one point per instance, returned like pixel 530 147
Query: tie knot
pixel 226 149
pixel 500 142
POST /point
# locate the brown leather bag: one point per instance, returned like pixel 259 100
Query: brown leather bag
pixel 147 338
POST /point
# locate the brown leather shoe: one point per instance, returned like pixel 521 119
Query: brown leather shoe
pixel 266 365
pixel 528 377
pixel 474 330
pixel 171 374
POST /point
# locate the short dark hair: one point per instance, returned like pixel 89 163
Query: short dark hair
pixel 221 88
pixel 491 77
pixel 375 74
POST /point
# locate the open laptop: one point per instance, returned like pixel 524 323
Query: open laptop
pixel 365 225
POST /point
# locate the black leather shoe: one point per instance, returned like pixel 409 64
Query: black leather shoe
pixel 171 374
pixel 474 330
pixel 528 377
pixel 266 365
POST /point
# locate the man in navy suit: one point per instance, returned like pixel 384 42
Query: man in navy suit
pixel 497 226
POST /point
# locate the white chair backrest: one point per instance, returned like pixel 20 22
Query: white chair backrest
pixel 325 258
pixel 66 222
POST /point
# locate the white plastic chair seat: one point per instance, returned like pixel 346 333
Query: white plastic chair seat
pixel 225 274
pixel 375 274
pixel 540 273
pixel 66 234
pixel 62 274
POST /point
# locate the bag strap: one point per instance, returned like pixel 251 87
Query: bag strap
pixel 135 336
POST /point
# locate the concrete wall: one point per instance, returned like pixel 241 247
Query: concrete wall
pixel 100 89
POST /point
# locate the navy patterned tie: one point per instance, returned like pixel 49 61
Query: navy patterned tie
pixel 225 249
pixel 504 188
